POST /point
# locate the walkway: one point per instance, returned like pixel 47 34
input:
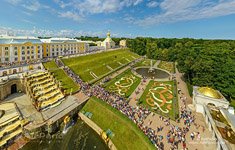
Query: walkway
pixel 135 96
pixel 183 86
pixel 156 64
pixel 154 121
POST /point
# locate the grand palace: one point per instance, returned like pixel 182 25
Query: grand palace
pixel 46 82
pixel 17 49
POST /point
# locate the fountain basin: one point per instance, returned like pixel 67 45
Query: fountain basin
pixel 154 73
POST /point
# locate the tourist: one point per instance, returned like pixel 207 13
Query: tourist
pixel 192 135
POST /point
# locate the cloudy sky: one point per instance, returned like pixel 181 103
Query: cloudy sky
pixel 124 18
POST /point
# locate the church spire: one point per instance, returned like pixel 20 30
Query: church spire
pixel 108 34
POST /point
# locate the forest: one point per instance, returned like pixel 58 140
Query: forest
pixel 96 38
pixel 204 62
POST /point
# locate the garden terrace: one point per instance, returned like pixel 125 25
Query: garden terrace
pixel 126 134
pixel 94 66
pixel 161 97
pixel 145 62
pixel 60 75
pixel 124 84
pixel 168 66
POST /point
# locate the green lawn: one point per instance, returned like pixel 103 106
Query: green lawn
pixel 60 75
pixel 232 103
pixel 127 136
pixel 155 90
pixel 124 84
pixel 145 62
pixel 99 64
pixel 168 66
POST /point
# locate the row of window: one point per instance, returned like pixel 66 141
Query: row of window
pixel 22 52
pixel 22 58
pixel 23 47
pixel 59 53
pixel 67 45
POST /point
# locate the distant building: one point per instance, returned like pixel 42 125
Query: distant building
pixel 108 43
pixel 63 46
pixel 122 43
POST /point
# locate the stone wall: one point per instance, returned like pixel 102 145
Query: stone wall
pixel 221 145
pixel 6 87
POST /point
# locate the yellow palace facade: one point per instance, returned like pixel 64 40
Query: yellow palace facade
pixel 54 47
pixel 17 49
pixel 21 49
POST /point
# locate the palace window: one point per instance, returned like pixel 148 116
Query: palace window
pixel 16 53
pixel 28 47
pixel 32 47
pixel 16 58
pixel 23 52
pixel 6 59
pixel 6 48
pixel 32 57
pixel 23 58
pixel 28 57
pixel 28 52
pixel 6 53
pixel 23 47
pixel 15 48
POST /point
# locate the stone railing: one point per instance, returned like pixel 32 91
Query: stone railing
pixel 97 129
pixel 221 145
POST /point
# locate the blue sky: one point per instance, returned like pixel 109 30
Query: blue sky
pixel 124 18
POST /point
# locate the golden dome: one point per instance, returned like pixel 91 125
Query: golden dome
pixel 209 92
pixel 108 34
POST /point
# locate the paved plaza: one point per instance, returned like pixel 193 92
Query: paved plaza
pixel 154 121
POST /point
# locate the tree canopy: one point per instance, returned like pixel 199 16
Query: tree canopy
pixel 203 62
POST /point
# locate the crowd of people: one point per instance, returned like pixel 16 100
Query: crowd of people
pixel 136 114
pixel 21 63
pixel 175 135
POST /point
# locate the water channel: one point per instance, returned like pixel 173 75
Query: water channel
pixel 79 137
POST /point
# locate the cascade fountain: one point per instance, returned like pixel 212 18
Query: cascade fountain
pixel 67 123
pixel 151 69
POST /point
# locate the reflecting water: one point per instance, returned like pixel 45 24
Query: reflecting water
pixel 156 73
pixel 79 137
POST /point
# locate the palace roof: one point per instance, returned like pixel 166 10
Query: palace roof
pixel 19 40
pixel 209 92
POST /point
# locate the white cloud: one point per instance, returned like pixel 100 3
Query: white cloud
pixel 71 15
pixel 30 5
pixel 152 4
pixel 81 8
pixel 33 5
pixel 52 33
pixel 14 2
pixel 62 4
pixel 182 10
pixel 97 6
